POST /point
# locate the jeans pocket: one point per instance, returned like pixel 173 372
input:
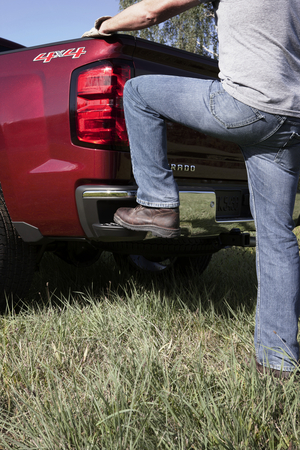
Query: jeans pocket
pixel 239 122
pixel 288 156
pixel 232 113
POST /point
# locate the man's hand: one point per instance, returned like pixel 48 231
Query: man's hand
pixel 141 15
pixel 95 31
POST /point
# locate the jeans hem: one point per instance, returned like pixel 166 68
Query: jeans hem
pixel 268 365
pixel 277 367
pixel 157 204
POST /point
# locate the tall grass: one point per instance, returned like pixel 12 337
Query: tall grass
pixel 98 359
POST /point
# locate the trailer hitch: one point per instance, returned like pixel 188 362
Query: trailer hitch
pixel 236 238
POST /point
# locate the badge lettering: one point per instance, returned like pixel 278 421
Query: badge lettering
pixel 74 53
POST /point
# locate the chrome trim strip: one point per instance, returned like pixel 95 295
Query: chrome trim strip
pixel 107 193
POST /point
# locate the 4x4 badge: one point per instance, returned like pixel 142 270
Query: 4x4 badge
pixel 61 54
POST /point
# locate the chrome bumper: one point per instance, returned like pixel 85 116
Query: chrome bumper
pixel 198 213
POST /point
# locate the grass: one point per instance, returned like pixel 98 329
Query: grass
pixel 97 359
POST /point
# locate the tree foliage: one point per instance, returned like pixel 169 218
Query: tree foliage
pixel 194 30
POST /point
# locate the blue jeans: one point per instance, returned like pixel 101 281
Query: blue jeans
pixel 271 148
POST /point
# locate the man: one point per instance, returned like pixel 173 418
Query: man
pixel 255 104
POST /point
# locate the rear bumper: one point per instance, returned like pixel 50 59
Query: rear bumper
pixel 203 212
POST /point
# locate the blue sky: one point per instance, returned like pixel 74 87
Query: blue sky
pixel 34 22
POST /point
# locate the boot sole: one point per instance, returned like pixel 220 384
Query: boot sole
pixel 156 231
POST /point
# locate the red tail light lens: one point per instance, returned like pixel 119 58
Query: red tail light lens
pixel 99 114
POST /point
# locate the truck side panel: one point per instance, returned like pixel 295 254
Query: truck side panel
pixel 40 167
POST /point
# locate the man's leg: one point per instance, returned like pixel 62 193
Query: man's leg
pixel 148 101
pixel 273 179
pixel 196 103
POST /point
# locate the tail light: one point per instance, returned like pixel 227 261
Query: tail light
pixel 97 113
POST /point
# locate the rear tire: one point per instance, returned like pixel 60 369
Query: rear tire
pixel 17 259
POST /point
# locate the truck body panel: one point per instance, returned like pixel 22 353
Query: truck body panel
pixel 40 166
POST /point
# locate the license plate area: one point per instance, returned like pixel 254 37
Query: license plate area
pixel 229 204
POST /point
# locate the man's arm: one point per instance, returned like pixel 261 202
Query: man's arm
pixel 145 14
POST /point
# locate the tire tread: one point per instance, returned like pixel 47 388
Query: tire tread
pixel 17 258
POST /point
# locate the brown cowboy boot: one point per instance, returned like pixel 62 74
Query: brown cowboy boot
pixel 162 222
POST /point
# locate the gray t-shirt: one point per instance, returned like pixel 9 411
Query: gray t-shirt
pixel 259 47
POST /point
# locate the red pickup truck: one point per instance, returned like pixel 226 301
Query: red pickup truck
pixel 65 162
